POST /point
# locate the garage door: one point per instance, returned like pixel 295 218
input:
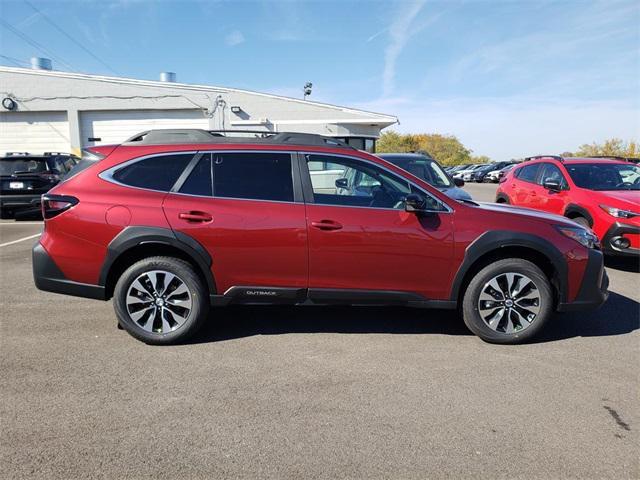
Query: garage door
pixel 98 128
pixel 34 132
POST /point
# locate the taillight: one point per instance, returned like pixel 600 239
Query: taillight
pixel 54 205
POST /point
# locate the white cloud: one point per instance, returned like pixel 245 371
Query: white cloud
pixel 234 38
pixel 399 32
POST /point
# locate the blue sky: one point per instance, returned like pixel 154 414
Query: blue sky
pixel 509 78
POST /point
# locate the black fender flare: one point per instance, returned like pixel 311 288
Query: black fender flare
pixel 493 241
pixel 583 212
pixel 503 196
pixel 134 236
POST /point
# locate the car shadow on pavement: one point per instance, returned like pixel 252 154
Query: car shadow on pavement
pixel 620 315
pixel 624 264
pixel 243 321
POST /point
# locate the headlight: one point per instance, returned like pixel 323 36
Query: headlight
pixel 582 236
pixel 616 212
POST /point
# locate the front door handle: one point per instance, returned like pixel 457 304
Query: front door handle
pixel 326 225
pixel 195 217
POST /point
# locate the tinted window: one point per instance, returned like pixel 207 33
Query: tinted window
pixel 22 165
pixel 156 173
pixel 200 181
pixel 551 173
pixel 256 176
pixel 528 173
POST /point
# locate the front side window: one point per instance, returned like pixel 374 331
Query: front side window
pixel 159 172
pixel 551 173
pixel 253 176
pixel 605 176
pixel 353 183
pixel 528 173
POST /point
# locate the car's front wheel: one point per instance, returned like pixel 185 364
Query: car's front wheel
pixel 508 301
pixel 161 300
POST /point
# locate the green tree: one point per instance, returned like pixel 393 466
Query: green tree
pixel 611 146
pixel 446 149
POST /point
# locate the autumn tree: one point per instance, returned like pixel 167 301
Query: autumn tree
pixel 446 149
pixel 613 146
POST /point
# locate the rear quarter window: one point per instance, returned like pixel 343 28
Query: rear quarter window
pixel 159 172
pixel 528 173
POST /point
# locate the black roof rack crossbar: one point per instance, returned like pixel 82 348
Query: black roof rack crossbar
pixel 192 135
pixel 536 157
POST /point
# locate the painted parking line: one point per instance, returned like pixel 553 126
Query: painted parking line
pixel 20 240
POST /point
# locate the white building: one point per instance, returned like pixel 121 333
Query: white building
pixel 45 110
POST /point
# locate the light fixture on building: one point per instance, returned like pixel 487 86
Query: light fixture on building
pixel 236 109
pixel 307 89
pixel 8 103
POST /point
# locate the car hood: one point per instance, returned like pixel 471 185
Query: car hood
pixel 456 193
pixel 629 198
pixel 529 212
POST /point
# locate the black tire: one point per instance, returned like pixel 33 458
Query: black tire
pixel 470 305
pixel 582 221
pixel 198 296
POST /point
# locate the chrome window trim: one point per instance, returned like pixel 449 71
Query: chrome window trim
pixel 107 175
pixel 349 157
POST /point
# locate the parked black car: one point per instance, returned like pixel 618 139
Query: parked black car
pixel 425 167
pixel 25 177
pixel 479 174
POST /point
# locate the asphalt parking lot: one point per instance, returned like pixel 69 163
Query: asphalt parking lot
pixel 313 392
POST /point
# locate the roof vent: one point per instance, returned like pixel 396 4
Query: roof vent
pixel 169 77
pixel 39 63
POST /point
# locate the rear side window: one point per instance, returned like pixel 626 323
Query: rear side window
pixel 200 180
pixel 155 173
pixel 253 176
pixel 528 173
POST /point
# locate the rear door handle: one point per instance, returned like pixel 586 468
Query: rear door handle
pixel 195 217
pixel 326 225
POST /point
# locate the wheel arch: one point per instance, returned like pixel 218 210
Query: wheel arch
pixel 498 245
pixel 502 198
pixel 573 211
pixel 136 243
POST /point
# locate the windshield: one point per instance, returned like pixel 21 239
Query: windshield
pixel 424 168
pixel 603 176
pixel 11 166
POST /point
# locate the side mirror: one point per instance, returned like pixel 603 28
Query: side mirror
pixel 414 203
pixel 342 183
pixel 458 182
pixel 552 185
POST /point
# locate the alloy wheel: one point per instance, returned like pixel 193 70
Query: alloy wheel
pixel 509 302
pixel 159 301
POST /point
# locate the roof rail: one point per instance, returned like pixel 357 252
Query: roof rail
pixel 189 135
pixel 537 157
pixel 612 157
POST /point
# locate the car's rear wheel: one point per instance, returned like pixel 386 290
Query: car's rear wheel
pixel 508 301
pixel 160 300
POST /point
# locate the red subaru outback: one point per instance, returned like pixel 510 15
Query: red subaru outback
pixel 598 193
pixel 173 222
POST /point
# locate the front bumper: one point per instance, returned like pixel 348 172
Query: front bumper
pixel 616 231
pixel 594 287
pixel 48 277
pixel 19 202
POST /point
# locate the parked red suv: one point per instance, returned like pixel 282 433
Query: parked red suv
pixel 599 193
pixel 173 222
